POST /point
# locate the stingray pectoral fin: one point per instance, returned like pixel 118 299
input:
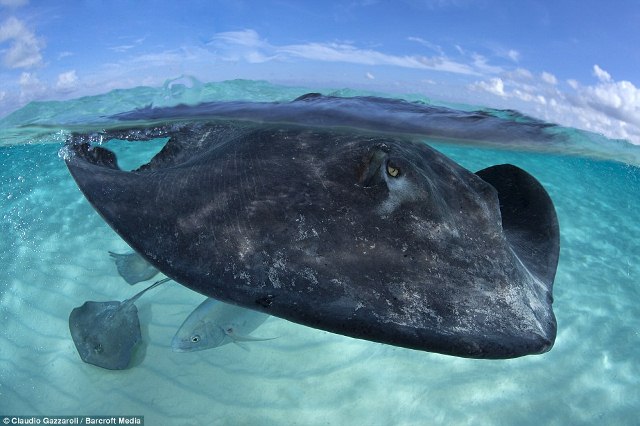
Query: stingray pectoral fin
pixel 124 200
pixel 528 218
pixel 95 155
pixel 132 267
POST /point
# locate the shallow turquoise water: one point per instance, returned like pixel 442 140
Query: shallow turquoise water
pixel 54 257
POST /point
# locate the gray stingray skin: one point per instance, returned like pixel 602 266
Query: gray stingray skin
pixel 132 268
pixel 310 225
pixel 105 333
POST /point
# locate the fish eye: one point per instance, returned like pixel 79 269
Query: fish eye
pixel 195 338
pixel 98 348
pixel 392 171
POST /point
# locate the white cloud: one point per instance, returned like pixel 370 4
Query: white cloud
pixel 122 48
pixel 514 55
pixel 482 64
pixel 26 79
pixel 609 107
pixel 527 96
pixel 619 100
pixel 602 75
pixel 519 74
pixel 163 58
pixel 549 78
pixel 67 81
pixel 64 54
pixel 126 47
pixel 247 45
pixel 370 76
pixel 427 44
pixel 30 87
pixel 335 52
pixel 24 49
pixel 249 38
pixel 494 86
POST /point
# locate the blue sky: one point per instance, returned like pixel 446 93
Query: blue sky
pixel 575 62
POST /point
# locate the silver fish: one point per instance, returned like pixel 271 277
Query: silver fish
pixel 214 324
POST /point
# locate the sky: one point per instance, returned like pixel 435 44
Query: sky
pixel 571 62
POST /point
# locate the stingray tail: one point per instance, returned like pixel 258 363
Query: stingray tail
pixel 137 296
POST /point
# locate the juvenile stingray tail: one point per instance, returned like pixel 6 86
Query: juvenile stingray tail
pixel 137 296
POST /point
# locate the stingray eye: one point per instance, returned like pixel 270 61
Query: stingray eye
pixel 98 348
pixel 195 338
pixel 392 171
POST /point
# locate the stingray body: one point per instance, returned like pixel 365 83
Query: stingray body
pixel 106 333
pixel 361 234
pixel 213 324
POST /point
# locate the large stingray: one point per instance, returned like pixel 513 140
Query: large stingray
pixel 106 333
pixel 362 234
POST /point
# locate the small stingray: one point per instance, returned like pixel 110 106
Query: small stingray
pixel 132 267
pixel 106 333
pixel 214 324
